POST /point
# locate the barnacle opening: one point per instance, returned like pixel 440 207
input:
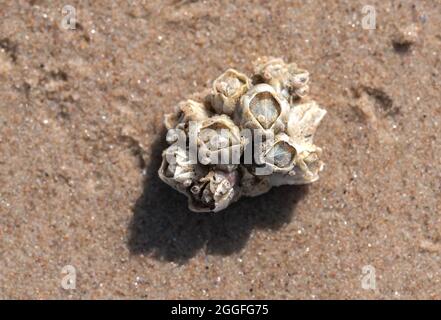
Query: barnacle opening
pixel 228 86
pixel 265 108
pixel 250 134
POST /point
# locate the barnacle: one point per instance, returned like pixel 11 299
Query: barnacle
pixel 288 79
pixel 185 112
pixel 280 154
pixel 262 108
pixel 304 119
pixel 244 138
pixel 219 142
pixel 215 191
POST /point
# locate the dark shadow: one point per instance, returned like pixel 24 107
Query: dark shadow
pixel 163 227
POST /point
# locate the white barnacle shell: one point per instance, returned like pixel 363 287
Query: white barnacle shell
pixel 297 81
pixel 282 122
pixel 281 154
pixel 227 90
pixel 215 191
pixel 272 70
pixel 308 165
pixel 288 79
pixel 185 112
pixel 176 169
pixel 303 120
pixel 253 185
pixel 193 111
pixel 263 108
pixel 220 142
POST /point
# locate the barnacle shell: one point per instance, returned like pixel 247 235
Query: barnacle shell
pixel 253 185
pixel 280 123
pixel 219 139
pixel 178 173
pixel 288 79
pixel 280 154
pixel 304 119
pixel 270 69
pixel 186 111
pixel 227 90
pixel 306 169
pixel 215 191
pixel 263 108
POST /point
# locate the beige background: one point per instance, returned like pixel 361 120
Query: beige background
pixel 81 134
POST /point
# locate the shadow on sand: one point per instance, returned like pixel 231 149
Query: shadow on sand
pixel 163 227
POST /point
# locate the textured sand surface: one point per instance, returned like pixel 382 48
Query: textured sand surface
pixel 81 134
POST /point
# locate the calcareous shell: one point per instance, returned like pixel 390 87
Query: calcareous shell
pixel 220 142
pixel 227 90
pixel 263 108
pixel 287 79
pixel 280 153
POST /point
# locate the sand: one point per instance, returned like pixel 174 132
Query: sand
pixel 81 134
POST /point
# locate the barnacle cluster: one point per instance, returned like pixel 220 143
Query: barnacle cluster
pixel 246 136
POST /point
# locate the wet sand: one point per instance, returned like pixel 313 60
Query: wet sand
pixel 81 135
